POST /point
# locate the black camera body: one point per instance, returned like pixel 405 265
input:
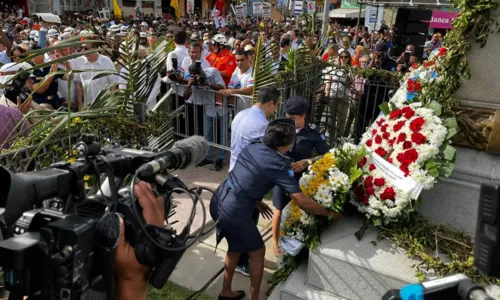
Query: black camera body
pixel 16 88
pixel 63 248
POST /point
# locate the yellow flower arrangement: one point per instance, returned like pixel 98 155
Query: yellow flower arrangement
pixel 320 169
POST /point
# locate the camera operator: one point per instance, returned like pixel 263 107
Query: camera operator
pixel 209 77
pixel 132 277
pixel 379 59
pixel 409 51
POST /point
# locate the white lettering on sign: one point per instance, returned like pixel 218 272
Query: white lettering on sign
pixel 440 20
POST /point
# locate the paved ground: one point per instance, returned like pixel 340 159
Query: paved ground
pixel 202 261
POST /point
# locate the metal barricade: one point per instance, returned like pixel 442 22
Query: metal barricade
pixel 207 113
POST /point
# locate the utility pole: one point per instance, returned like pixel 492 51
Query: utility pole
pixel 326 10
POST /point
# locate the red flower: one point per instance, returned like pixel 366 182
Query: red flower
pixel 370 191
pixel 380 151
pixel 366 200
pixel 391 142
pixel 380 122
pixel 388 194
pixel 442 51
pixel 369 181
pixel 384 128
pixel 369 143
pixel 395 114
pixel 408 112
pixel 386 135
pixel 362 162
pixel 390 160
pixel 414 66
pixel 371 167
pixel 418 138
pixel 404 168
pixel 374 131
pixel 407 145
pixel 417 124
pixel 413 86
pixel 411 155
pixel 428 63
pixel 379 181
pixel 401 137
pixel 378 139
pixel 398 126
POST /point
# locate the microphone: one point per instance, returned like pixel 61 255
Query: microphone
pixel 185 153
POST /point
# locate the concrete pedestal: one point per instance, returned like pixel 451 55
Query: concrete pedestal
pixel 454 200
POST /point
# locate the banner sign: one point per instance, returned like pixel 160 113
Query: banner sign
pixel 298 8
pixel 442 19
pixel 257 8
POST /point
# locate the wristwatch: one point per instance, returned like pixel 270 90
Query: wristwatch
pixel 309 162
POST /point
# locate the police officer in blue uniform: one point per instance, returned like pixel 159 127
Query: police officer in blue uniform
pixel 259 167
pixel 308 139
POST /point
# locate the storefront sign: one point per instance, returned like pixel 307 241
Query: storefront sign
pixel 442 19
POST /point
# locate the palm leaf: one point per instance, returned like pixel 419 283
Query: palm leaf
pixel 264 66
pixel 111 108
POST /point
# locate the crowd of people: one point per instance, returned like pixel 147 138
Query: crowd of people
pixel 207 66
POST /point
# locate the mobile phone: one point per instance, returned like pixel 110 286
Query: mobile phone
pixel 407 55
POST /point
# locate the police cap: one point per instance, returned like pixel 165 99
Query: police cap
pixel 296 105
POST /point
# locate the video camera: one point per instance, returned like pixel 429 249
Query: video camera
pixel 16 87
pixel 486 259
pixel 59 241
pixel 195 70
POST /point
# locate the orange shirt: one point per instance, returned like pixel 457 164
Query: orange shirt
pixel 211 58
pixel 224 62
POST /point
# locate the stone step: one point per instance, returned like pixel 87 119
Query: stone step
pixel 357 270
pixel 296 288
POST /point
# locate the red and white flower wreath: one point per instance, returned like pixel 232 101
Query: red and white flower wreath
pixel 407 138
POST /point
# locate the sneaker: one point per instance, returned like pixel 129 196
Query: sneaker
pixel 205 162
pixel 244 270
pixel 218 165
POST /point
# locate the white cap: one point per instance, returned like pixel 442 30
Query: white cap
pixel 346 30
pixel 144 24
pixel 12 67
pixel 121 33
pixel 65 36
pixel 124 28
pixel 52 33
pixel 84 32
pixel 143 35
pixel 69 29
pixel 114 28
pixel 195 23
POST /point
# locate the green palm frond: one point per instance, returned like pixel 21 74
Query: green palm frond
pixel 265 66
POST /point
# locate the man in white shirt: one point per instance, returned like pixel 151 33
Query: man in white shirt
pixel 70 100
pixel 194 109
pixel 180 52
pixel 198 81
pixel 93 64
pixel 241 82
pixel 248 126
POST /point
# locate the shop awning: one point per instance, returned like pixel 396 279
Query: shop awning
pixel 346 13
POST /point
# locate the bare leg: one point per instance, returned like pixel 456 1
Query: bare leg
pixel 231 261
pixel 276 231
pixel 256 271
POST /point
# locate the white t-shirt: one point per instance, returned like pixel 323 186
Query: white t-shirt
pixel 63 84
pixel 94 86
pixel 20 13
pixel 205 95
pixel 181 52
pixel 240 81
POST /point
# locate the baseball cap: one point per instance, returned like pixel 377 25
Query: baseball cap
pixel 296 105
pixel 144 24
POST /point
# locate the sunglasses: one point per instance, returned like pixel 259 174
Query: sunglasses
pixel 344 56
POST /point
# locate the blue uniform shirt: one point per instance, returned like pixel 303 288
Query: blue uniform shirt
pixel 308 139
